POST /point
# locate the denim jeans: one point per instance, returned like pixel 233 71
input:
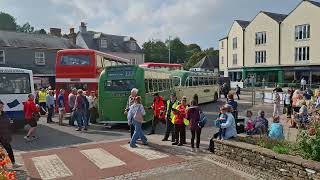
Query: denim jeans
pixel 81 119
pixel 138 133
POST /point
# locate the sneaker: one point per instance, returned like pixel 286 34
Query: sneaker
pixel 145 144
pixel 180 144
pixel 175 143
pixel 164 139
pixel 34 138
pixel 78 129
pixel 16 166
pixel 133 146
pixel 27 138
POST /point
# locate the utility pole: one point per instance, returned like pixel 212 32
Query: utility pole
pixel 169 49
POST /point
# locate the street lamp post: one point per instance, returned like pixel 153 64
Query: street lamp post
pixel 169 49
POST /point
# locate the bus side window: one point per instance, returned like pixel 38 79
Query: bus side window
pixel 206 81
pixel 210 80
pixel 195 81
pixel 190 81
pixel 214 81
pixel 150 85
pixel 146 85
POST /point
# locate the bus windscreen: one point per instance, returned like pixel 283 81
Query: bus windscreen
pixel 119 85
pixel 71 60
pixel 15 83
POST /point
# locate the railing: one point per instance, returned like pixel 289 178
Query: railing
pixel 282 85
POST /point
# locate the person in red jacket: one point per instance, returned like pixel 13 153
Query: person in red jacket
pixel 158 108
pixel 29 108
pixel 179 127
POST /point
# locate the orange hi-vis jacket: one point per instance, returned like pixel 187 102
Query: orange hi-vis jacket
pixel 158 107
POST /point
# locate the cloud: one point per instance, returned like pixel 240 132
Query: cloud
pixel 194 21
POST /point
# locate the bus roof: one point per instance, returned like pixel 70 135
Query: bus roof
pixel 14 70
pixel 73 51
pixel 160 65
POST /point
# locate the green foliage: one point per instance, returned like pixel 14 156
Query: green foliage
pixel 41 31
pixel 309 146
pixel 7 22
pixel 26 28
pixel 189 55
pixel 281 149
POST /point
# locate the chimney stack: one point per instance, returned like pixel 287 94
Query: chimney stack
pixel 55 32
pixel 83 27
pixel 72 36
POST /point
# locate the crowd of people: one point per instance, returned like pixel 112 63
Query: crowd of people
pixel 82 106
pixel 177 115
pixel 297 104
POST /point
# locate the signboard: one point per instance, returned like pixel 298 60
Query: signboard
pixel 121 73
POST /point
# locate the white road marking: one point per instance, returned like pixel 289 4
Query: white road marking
pixel 51 167
pixel 102 158
pixel 146 152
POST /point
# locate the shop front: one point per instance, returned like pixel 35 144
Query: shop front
pixel 266 75
pixel 310 73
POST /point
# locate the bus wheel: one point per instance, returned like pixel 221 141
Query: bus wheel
pixel 215 99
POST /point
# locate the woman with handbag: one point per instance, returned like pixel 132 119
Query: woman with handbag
pixel 31 114
pixel 135 117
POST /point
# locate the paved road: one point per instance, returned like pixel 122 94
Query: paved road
pixel 63 144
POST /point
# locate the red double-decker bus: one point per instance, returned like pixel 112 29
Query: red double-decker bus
pixel 81 68
pixel 162 65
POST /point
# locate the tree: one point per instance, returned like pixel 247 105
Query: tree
pixel 178 51
pixel 155 51
pixel 194 59
pixel 26 28
pixel 41 31
pixel 7 22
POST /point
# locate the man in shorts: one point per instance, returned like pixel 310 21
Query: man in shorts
pixel 61 106
pixel 29 108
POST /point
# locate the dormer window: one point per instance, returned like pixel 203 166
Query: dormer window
pixel 133 46
pixel 103 43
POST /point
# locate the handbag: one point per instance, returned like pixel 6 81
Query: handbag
pixel 36 116
pixel 203 119
pixel 138 116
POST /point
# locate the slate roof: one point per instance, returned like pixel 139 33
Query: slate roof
pixel 242 23
pixel 275 16
pixel 31 40
pixel 115 43
pixel 316 3
pixel 208 62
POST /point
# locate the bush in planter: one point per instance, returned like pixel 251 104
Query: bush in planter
pixel 309 146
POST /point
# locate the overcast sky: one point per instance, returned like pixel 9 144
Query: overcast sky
pixel 195 21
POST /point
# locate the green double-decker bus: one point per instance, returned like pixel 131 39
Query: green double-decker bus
pixel 115 85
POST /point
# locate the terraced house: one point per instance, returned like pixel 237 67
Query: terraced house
pixel 277 48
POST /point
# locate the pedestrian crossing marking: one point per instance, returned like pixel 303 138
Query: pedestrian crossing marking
pixel 51 167
pixel 146 152
pixel 102 158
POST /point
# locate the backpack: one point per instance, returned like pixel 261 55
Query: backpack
pixel 85 103
pixel 203 119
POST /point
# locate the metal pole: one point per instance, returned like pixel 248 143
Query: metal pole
pixel 169 49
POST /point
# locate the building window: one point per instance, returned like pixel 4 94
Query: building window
pixel 234 43
pixel 2 57
pixel 222 60
pixel 133 61
pixel 261 57
pixel 222 45
pixel 39 58
pixel 235 60
pixel 103 43
pixel 261 38
pixel 133 46
pixel 302 31
pixel 302 54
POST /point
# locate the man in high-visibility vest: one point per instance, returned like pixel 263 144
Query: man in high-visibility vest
pixel 42 101
pixel 172 103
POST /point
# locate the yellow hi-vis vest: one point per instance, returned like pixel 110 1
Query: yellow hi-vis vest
pixel 42 96
pixel 174 106
pixel 186 122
